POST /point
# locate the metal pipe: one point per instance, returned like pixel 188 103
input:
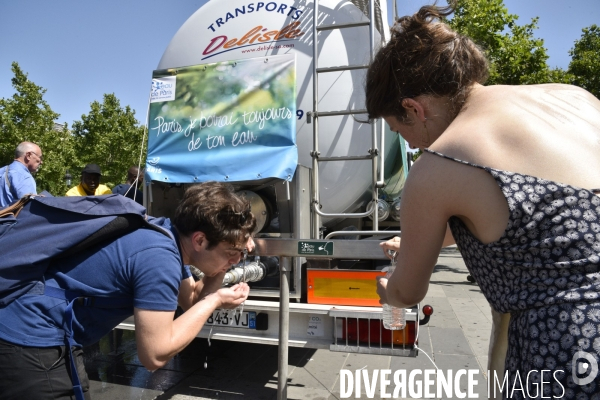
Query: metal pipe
pixel 381 181
pixel 346 158
pixel 315 154
pixel 342 68
pixel 253 272
pixel 339 112
pixel 363 233
pixel 341 215
pixel 284 326
pixel 340 26
pixel 373 126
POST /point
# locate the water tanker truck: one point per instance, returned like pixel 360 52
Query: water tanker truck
pixel 269 97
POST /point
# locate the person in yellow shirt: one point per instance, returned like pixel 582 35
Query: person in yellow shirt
pixel 90 183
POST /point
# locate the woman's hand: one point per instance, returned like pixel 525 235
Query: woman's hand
pixel 381 289
pixel 391 245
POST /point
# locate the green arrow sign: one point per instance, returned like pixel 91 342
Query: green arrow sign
pixel 315 248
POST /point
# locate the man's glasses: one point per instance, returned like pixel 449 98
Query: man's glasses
pixel 38 156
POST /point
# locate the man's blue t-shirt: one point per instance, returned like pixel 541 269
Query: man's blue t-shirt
pixel 144 265
pixel 15 183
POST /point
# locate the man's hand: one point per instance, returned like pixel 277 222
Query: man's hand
pixel 159 337
pixel 233 296
pixel 250 245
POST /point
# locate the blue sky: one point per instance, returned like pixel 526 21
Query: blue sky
pixel 79 50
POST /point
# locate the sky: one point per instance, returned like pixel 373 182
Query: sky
pixel 80 50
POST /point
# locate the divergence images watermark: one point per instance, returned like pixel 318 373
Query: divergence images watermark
pixel 462 383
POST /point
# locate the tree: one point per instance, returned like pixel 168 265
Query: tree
pixel 515 55
pixel 585 60
pixel 110 137
pixel 28 117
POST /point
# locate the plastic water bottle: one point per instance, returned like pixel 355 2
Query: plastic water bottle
pixel 394 318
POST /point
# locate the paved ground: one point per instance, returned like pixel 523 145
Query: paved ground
pixel 456 337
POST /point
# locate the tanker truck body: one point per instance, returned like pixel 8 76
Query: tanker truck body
pixel 242 95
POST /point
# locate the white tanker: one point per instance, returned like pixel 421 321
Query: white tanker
pixel 242 29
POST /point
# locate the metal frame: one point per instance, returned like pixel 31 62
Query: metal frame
pixel 286 248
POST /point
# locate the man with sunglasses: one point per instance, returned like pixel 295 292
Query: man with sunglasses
pixel 16 179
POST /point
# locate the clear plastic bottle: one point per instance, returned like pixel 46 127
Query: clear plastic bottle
pixel 394 318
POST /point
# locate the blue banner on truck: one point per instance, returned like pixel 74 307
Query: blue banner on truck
pixel 228 121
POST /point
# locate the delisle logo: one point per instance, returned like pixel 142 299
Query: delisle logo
pixel 257 35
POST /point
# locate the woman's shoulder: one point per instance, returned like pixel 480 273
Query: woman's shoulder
pixel 486 96
pixel 523 129
pixel 537 98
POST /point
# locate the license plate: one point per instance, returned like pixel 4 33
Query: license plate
pixel 247 319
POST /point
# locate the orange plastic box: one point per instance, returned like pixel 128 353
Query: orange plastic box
pixel 343 287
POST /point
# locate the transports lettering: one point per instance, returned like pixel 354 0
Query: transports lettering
pixel 280 8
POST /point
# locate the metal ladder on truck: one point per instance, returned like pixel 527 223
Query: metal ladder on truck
pixel 374 153
pixel 288 248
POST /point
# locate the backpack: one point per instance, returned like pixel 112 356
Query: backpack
pixel 38 229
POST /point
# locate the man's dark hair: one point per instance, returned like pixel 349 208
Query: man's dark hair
pixel 423 57
pixel 214 209
pixel 132 174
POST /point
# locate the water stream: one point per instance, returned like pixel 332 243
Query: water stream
pixel 241 310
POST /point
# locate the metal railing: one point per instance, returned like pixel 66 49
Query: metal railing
pixel 364 249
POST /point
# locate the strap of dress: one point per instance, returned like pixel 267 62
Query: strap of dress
pixel 456 159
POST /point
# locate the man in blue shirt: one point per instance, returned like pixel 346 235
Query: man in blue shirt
pixel 16 179
pixel 211 228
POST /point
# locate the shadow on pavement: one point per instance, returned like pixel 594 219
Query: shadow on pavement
pixel 115 371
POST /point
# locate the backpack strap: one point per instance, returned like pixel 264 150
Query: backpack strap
pixel 121 225
pixel 8 182
pixel 6 178
pixel 71 298
pixel 15 208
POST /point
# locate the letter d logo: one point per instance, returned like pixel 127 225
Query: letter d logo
pixel 581 368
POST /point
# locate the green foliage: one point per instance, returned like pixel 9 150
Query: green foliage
pixel 585 62
pixel 515 55
pixel 110 137
pixel 416 155
pixel 27 117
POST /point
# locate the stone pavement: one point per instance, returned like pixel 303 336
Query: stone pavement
pixel 456 338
